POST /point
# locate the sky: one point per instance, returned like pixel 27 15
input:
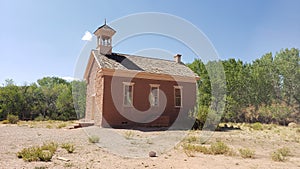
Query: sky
pixel 44 38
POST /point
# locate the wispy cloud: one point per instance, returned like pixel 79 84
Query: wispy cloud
pixel 87 36
pixel 69 79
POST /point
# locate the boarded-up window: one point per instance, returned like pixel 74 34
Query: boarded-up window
pixel 128 94
pixel 154 95
pixel 178 96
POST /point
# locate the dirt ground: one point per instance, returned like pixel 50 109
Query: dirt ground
pixel 13 138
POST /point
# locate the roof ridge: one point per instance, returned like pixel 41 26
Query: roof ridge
pixel 145 57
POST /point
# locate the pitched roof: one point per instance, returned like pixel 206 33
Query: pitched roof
pixel 144 64
pixel 105 27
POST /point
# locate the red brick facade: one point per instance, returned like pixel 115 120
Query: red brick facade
pixel 105 97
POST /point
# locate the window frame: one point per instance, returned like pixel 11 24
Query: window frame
pixel 151 96
pixel 180 88
pixel 124 94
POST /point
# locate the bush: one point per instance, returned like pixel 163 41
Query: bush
pixel 128 134
pixel 41 118
pixel 69 147
pixel 51 146
pixel 196 148
pixel 12 119
pixel 5 122
pixel 29 154
pixel 219 148
pixel 190 139
pixel 247 153
pixel 45 155
pixel 199 112
pixel 62 125
pixel 257 126
pixel 215 149
pixel 36 153
pixel 94 139
pixel 281 154
pixel 284 151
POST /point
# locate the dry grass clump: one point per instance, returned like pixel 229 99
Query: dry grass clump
pixel 128 134
pixel 281 154
pixel 247 153
pixel 69 147
pixel 12 119
pixel 257 126
pixel 216 148
pixel 38 153
pixel 190 139
pixel 94 139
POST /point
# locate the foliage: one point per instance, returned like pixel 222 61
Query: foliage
pixel 62 125
pixel 29 154
pixel 69 147
pixel 51 146
pixel 12 119
pixel 5 122
pixel 216 148
pixel 219 148
pixel 94 139
pixel 128 134
pixel 36 153
pixel 247 153
pixel 266 90
pixel 45 155
pixel 191 139
pixel 281 154
pixel 196 148
pixel 257 126
pixel 49 98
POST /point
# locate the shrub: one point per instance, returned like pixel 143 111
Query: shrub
pixel 45 155
pixel 284 151
pixel 94 139
pixel 12 119
pixel 41 118
pixel 36 153
pixel 196 148
pixel 29 154
pixel 247 153
pixel 49 126
pixel 41 167
pixel 128 134
pixel 69 147
pixel 191 139
pixel 5 122
pixel 257 126
pixel 62 125
pixel 219 148
pixel 281 154
pixel 51 146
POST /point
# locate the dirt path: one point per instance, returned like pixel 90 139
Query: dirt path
pixel 87 155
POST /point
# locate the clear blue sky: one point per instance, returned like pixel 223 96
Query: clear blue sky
pixel 43 38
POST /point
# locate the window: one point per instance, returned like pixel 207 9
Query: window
pixel 154 94
pixel 105 41
pixel 178 96
pixel 128 94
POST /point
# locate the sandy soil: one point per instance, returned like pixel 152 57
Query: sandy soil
pixel 88 155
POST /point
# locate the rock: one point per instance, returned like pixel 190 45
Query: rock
pixel 292 124
pixel 152 154
pixel 63 159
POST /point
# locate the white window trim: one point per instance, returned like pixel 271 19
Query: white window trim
pixel 155 85
pixel 178 87
pixel 128 84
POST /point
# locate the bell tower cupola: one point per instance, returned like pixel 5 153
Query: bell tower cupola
pixel 104 39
